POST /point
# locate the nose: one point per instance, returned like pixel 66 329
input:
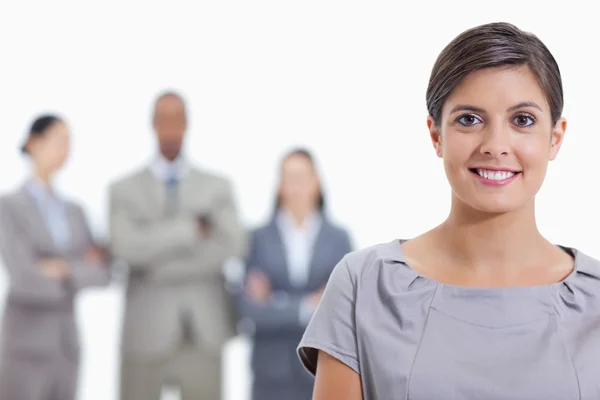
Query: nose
pixel 496 141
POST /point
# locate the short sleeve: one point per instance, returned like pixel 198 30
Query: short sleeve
pixel 332 328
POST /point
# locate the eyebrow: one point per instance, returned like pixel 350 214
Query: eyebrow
pixel 466 107
pixel 524 105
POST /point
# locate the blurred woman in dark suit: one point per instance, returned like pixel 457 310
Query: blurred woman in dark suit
pixel 49 254
pixel 289 262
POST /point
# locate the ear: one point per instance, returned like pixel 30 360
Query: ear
pixel 558 134
pixel 436 137
pixel 26 148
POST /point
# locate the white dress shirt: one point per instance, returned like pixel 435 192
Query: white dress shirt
pixel 299 241
pixel 53 210
pixel 165 170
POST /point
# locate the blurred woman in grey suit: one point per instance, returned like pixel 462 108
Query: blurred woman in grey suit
pixel 49 254
pixel 289 262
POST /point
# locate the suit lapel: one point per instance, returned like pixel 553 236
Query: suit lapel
pixel 35 222
pixel 154 193
pixel 78 235
pixel 195 193
pixel 278 252
pixel 320 249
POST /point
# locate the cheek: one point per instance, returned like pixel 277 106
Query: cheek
pixel 534 153
pixel 62 150
pixel 456 152
pixel 57 153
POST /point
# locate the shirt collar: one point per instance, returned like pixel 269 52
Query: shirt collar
pixel 165 170
pixel 39 190
pixel 311 223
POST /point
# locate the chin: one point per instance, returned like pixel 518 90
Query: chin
pixel 495 204
pixel 494 208
pixel 59 166
pixel 171 154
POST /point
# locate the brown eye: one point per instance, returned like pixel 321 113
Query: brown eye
pixel 524 120
pixel 468 120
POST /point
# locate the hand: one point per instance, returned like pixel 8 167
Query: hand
pixel 95 255
pixel 258 286
pixel 55 268
pixel 204 226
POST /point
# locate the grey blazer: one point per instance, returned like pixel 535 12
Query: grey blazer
pixel 170 264
pixel 39 311
pixel 277 326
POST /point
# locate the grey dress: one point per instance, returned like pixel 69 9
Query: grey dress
pixel 413 338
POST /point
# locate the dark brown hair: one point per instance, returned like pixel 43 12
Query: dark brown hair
pixel 308 155
pixel 39 127
pixel 493 45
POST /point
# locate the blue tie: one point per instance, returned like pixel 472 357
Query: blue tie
pixel 172 195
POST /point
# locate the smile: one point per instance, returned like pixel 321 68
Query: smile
pixel 495 177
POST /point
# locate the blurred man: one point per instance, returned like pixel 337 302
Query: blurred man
pixel 174 226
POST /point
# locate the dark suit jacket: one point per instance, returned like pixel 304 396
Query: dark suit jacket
pixel 39 313
pixel 277 326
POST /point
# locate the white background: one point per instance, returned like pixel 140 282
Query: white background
pixel 345 78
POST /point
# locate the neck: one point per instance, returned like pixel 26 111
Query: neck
pixel 299 214
pixel 491 241
pixel 43 176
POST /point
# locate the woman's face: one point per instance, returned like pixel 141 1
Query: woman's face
pixel 299 183
pixel 496 137
pixel 50 150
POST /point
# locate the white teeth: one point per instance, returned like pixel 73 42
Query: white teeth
pixel 494 175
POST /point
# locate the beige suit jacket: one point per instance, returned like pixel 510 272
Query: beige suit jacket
pixel 171 265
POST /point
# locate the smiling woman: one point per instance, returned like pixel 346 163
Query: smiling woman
pixel 482 306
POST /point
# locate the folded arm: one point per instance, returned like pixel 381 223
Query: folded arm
pixel 223 238
pixel 283 311
pixel 143 245
pixel 92 269
pixel 269 312
pixel 280 313
pixel 27 282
